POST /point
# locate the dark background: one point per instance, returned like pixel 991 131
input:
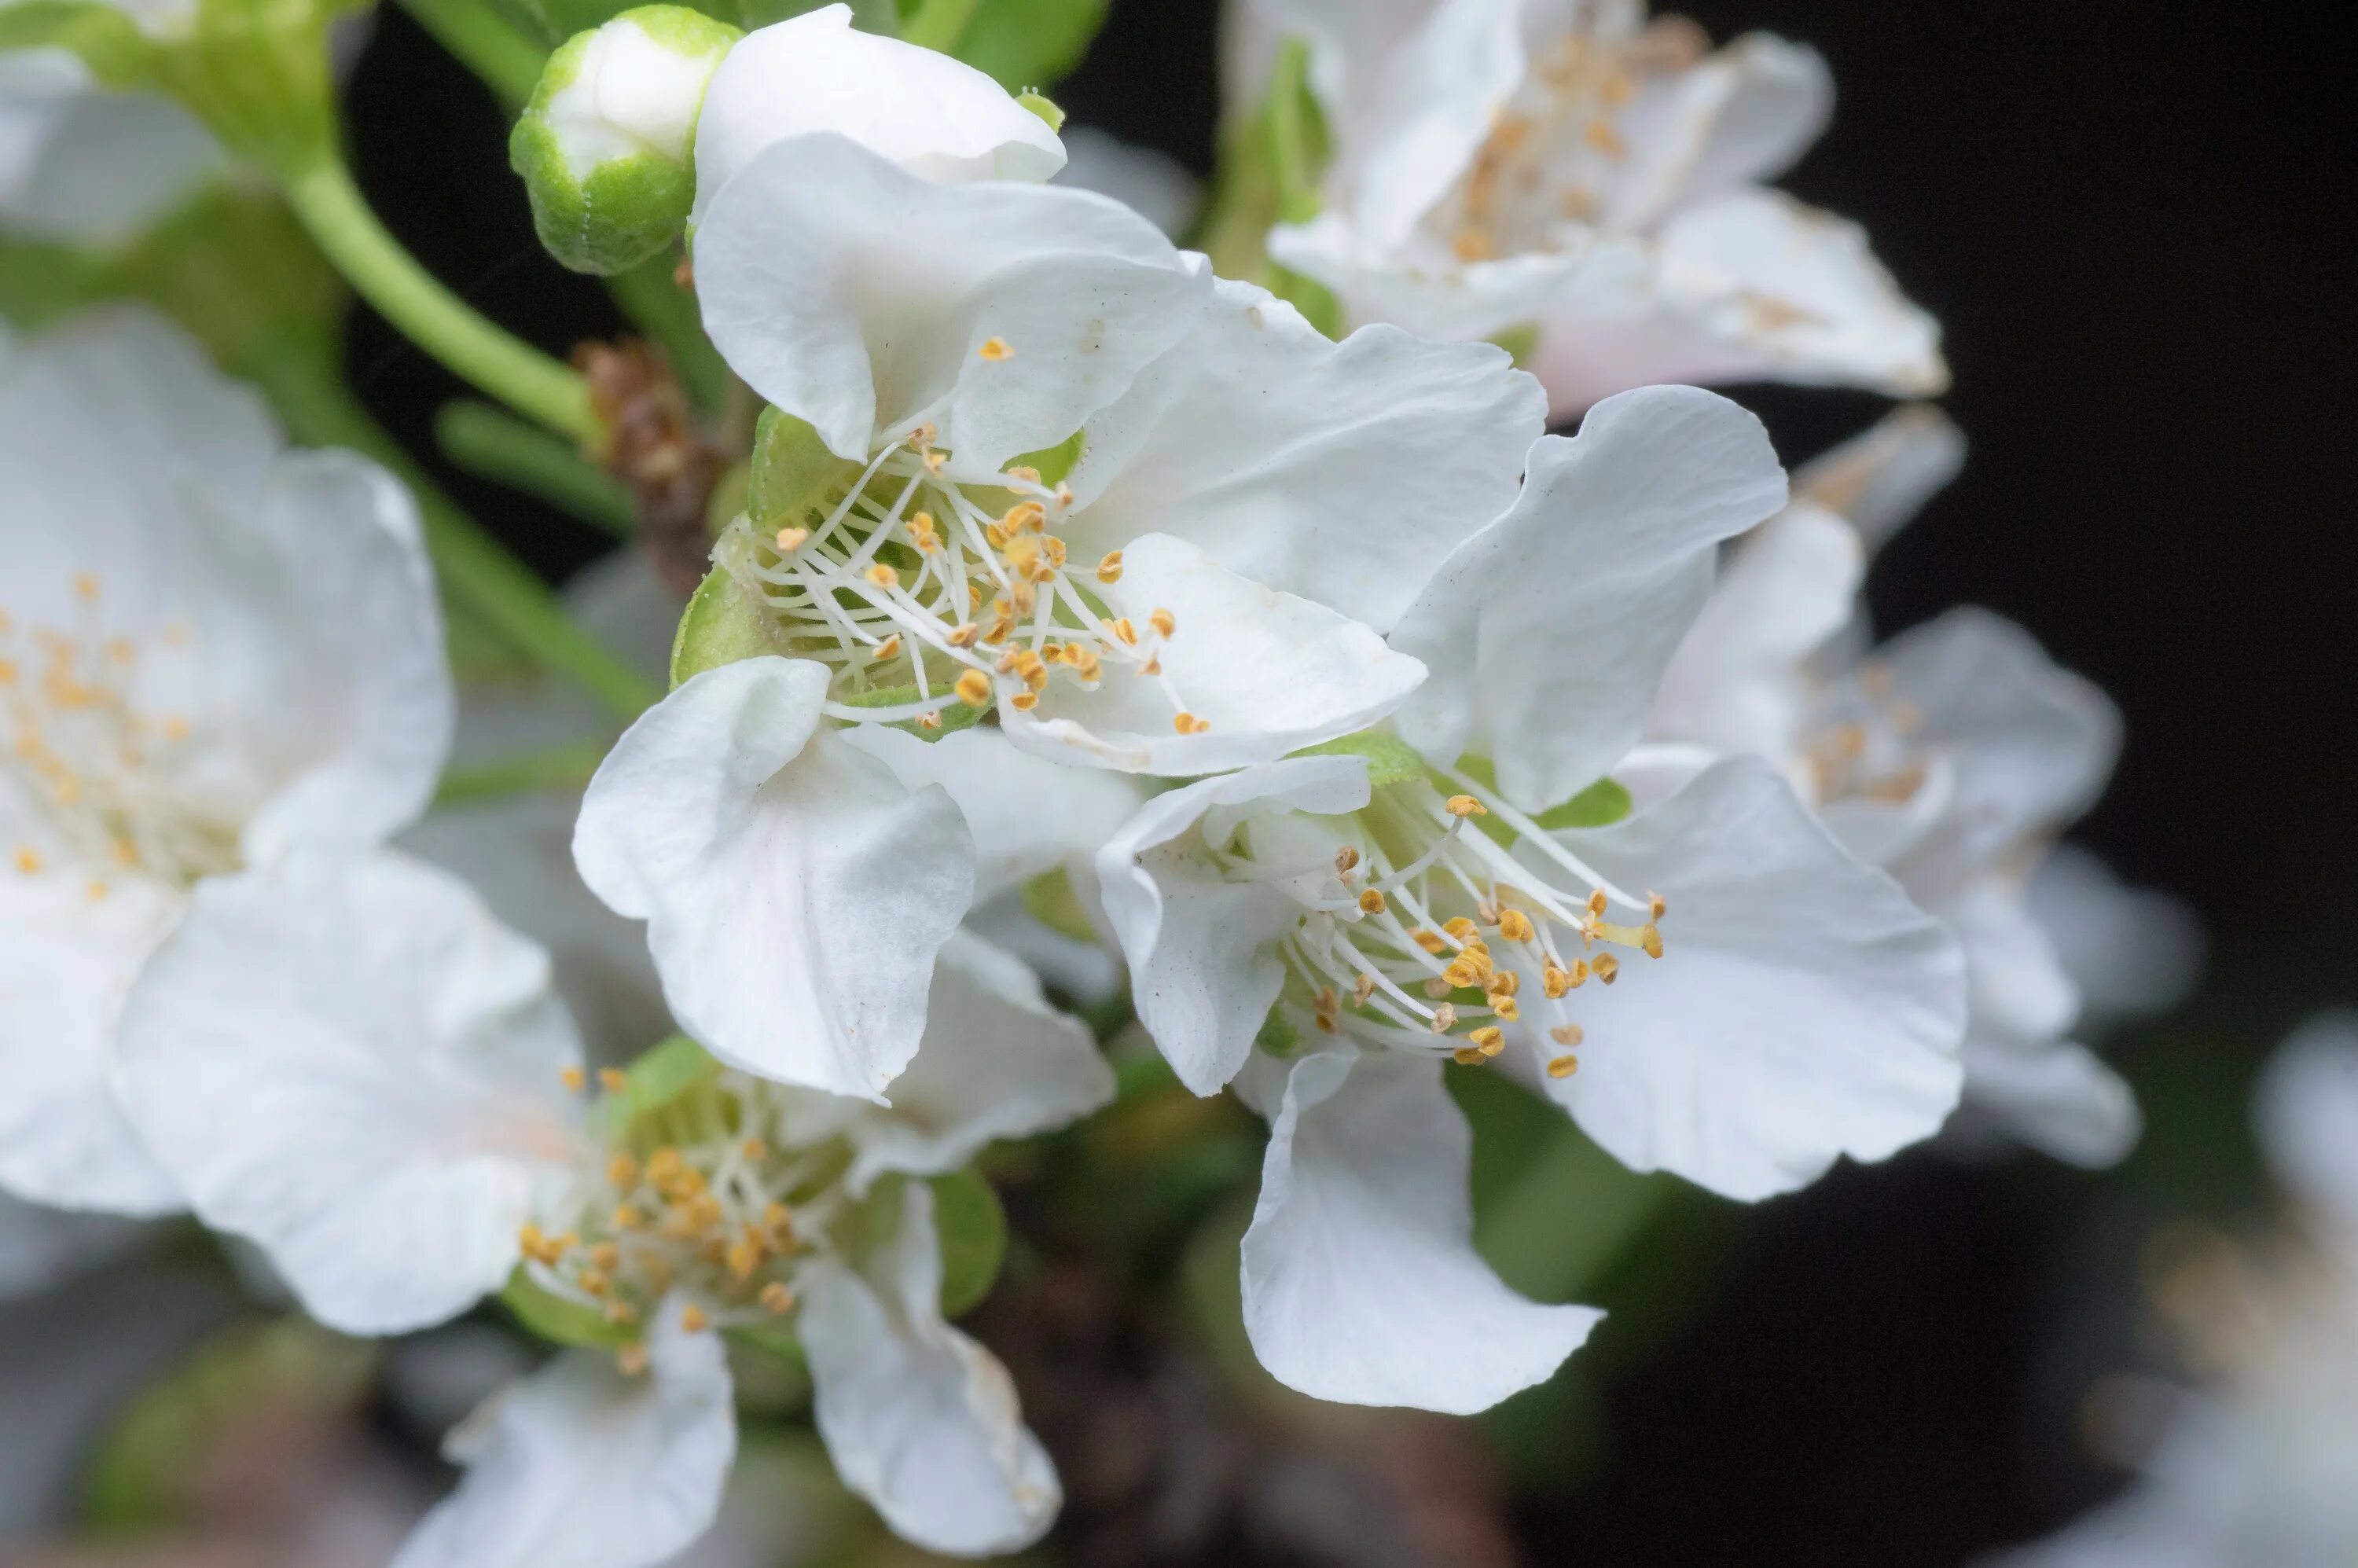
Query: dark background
pixel 2122 213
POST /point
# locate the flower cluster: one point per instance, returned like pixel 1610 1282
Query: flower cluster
pixel 1376 732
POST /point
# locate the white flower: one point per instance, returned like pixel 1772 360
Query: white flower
pixel 939 119
pixel 1568 168
pixel 1233 510
pixel 1949 757
pixel 2260 1470
pixel 88 167
pixel 1401 905
pixel 213 653
pixel 399 1148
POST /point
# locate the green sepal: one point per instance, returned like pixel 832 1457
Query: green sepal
pixel 1601 804
pixel 722 624
pixel 1049 899
pixel 1055 464
pixel 1390 759
pixel 558 1321
pixel 792 479
pixel 1520 341
pixel 1278 1034
pixel 663 1074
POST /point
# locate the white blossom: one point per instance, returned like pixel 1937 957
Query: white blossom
pixel 214 654
pixel 1567 168
pixel 88 167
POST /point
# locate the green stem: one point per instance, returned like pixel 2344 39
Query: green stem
pixel 484 42
pixel 665 312
pixel 559 767
pixel 1289 132
pixel 940 23
pixel 429 314
pixel 489 444
pixel 474 568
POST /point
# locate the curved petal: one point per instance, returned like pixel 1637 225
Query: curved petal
pixel 920 1420
pixel 1803 1009
pixel 860 297
pixel 1878 479
pixel 1198 946
pixel 1027 813
pixel 936 117
pixel 66 960
pixel 794 893
pixel 2054 1095
pixel 998 1062
pixel 1547 633
pixel 1740 682
pixel 1361 1284
pixel 1744 113
pixel 355 1067
pixel 366 584
pixel 2031 743
pixel 579 1467
pixel 1336 471
pixel 1748 285
pixel 2129 950
pixel 1427 289
pixel 1267 673
pixel 2306 1110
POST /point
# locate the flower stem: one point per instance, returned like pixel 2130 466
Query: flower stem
pixel 483 42
pixel 387 277
pixel 658 307
pixel 940 23
pixel 558 767
pixel 474 570
pixel 489 444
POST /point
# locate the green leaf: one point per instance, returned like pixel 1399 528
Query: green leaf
pixel 1601 804
pixel 1030 43
pixel 1390 759
pixel 722 624
pixel 558 1321
pixel 973 1229
pixel 1049 899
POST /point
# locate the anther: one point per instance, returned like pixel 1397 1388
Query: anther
pixel 1566 1034
pixel 1110 568
pixel 1345 860
pixel 995 350
pixel 789 540
pixel 776 1298
pixel 1514 925
pixel 1562 1067
pixel 1371 901
pixel 973 688
pixel 1163 622
pixel 883 577
pixel 1468 1057
pixel 613 1080
pixel 1466 805
pixel 1650 939
pixel 1489 1039
pixel 887 649
pixel 574 1078
pixel 1188 724
pixel 1607 967
pixel 1444 1019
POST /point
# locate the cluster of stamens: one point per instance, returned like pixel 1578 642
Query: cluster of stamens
pixel 950 591
pixel 1423 930
pixel 702 1196
pixel 1555 145
pixel 91 764
pixel 1865 746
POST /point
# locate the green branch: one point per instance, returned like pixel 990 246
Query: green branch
pixel 482 440
pixel 559 767
pixel 484 42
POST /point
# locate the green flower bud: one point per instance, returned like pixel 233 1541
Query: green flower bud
pixel 607 147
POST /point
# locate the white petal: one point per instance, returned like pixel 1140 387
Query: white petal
pixel 1154 185
pixel 1878 479
pixel 1361 1284
pixel 860 297
pixel 580 1466
pixel 2306 1110
pixel 354 1066
pixel 933 115
pixel 1744 113
pixel 1427 289
pixel 2054 1095
pixel 1547 633
pixel 1268 672
pixel 920 1420
pixel 2032 744
pixel 2129 950
pixel 66 961
pixel 1028 814
pixel 88 166
pixel 1740 682
pixel 998 1062
pixel 1202 966
pixel 1749 286
pixel 1803 1009
pixel 1336 471
pixel 367 587
pixel 794 893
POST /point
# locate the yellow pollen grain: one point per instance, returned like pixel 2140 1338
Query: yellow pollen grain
pixel 1362 988
pixel 574 1078
pixel 1466 805
pixel 1607 967
pixel 1462 971
pixel 744 1257
pixel 1121 630
pixel 1514 925
pixel 1656 905
pixel 1562 1067
pixel 883 577
pixel 1468 1057
pixel 889 648
pixel 1463 929
pixel 1371 901
pixel 1110 568
pixel 29 860
pixel 613 1080
pixel 995 350
pixel 1024 474
pixel 1163 622
pixel 1024 701
pixel 1436 988
pixel 963 635
pixel 1505 1006
pixel 1566 1034
pixel 1444 1019
pixel 1489 1039
pixel 789 540
pixel 1506 982
pixel 776 1298
pixel 606 1256
pixel 921 534
pixel 1188 724
pixel 1650 939
pixel 625 1218
pixel 1345 860
pixel 85 585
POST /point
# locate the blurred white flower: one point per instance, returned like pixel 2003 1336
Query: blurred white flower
pixel 400 1148
pixel 214 654
pixel 1804 1010
pixel 1149 183
pixel 1950 756
pixel 88 167
pixel 1569 168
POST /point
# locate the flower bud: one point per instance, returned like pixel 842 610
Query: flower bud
pixel 607 145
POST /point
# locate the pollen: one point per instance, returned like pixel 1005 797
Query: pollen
pixel 883 577
pixel 922 534
pixel 789 540
pixel 29 860
pixel 1110 568
pixel 1489 1039
pixel 1371 902
pixel 1562 1067
pixel 574 1078
pixel 1163 623
pixel 776 1298
pixel 1431 941
pixel 1649 938
pixel 995 350
pixel 1468 1057
pixel 613 1080
pixel 1188 724
pixel 887 649
pixel 1606 967
pixel 1466 805
pixel 1514 925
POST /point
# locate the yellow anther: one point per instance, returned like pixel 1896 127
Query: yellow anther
pixel 1505 1006
pixel 890 648
pixel 625 1217
pixel 922 534
pixel 1607 967
pixel 1466 805
pixel 1024 474
pixel 973 688
pixel 744 1257
pixel 1346 859
pixel 883 577
pixel 1468 1057
pixel 1362 988
pixel 1025 517
pixel 929 720
pixel 1163 622
pixel 7 672
pixel 753 1148
pixel 1463 929
pixel 1462 971
pixel 1371 901
pixel 574 1078
pixel 1086 662
pixel 1656 905
pixel 621 1313
pixel 995 350
pixel 1444 1019
pixel 1566 1034
pixel 1110 568
pixel 630 1360
pixel 29 860
pixel 1188 724
pixel 1024 701
pixel 1597 902
pixel 1506 982
pixel 776 1298
pixel 1429 941
pixel 85 585
pixel 1121 630
pixel 994 535
pixel 1555 980
pixel 593 1281
pixel 1514 925
pixel 789 540
pixel 924 435
pixel 1562 1067
pixel 1490 1039
pixel 1650 939
pixel 962 635
pixel 1601 136
pixel 613 1080
pixel 665 1165
pixel 1435 986
pixel 606 1256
